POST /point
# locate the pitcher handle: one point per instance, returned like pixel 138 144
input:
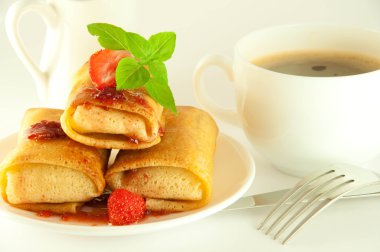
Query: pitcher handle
pixel 229 116
pixel 12 21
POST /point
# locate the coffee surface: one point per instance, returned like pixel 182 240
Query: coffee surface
pixel 318 63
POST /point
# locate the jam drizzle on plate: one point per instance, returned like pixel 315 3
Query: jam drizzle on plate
pixel 93 213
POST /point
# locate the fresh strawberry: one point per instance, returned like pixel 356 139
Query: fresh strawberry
pixel 103 65
pixel 125 207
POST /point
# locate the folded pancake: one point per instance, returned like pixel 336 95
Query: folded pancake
pixel 126 119
pixel 175 175
pixel 48 170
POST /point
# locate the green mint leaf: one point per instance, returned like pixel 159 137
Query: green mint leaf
pixel 162 45
pixel 138 45
pixel 161 93
pixel 158 71
pixel 110 36
pixel 130 74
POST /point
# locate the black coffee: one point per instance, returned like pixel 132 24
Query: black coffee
pixel 319 63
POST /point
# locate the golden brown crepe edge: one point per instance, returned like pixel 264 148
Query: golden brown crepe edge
pixel 119 142
pixel 58 208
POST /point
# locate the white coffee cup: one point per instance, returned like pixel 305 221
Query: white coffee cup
pixel 299 123
pixel 67 43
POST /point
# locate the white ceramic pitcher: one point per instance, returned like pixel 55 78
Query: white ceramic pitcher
pixel 67 43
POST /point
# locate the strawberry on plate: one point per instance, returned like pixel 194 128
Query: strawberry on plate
pixel 125 207
pixel 103 65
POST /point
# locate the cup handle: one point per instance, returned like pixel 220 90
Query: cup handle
pixel 12 21
pixel 203 98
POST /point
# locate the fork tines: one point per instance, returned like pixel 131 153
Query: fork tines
pixel 304 201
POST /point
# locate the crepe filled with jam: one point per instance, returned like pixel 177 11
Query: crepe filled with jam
pixel 49 171
pixel 109 118
pixel 175 175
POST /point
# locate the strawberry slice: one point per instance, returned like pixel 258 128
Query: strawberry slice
pixel 103 65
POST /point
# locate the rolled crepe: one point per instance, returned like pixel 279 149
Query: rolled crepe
pixel 127 119
pixel 175 175
pixel 52 172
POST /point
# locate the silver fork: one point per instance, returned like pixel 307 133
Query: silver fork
pixel 311 195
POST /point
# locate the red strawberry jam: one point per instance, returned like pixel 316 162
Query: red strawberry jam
pixel 109 95
pixel 45 130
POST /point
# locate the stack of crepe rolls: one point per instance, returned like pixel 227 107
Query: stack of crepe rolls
pixel 175 175
pixel 165 158
pixel 126 119
pixel 56 175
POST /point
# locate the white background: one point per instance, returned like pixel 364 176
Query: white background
pixel 202 27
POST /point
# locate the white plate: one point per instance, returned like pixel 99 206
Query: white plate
pixel 234 171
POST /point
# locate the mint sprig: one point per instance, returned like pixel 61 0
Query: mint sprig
pixel 146 68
